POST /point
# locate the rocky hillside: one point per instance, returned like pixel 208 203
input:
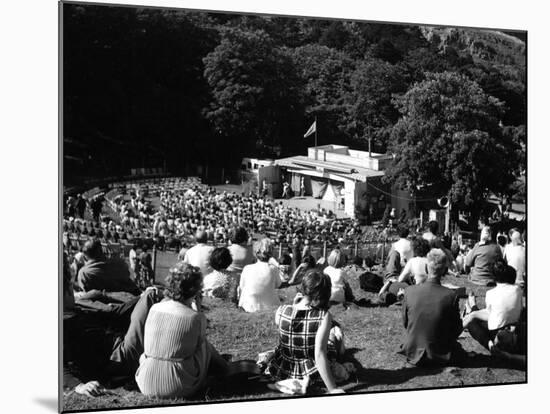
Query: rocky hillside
pixel 483 45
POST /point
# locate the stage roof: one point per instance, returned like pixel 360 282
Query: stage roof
pixel 352 172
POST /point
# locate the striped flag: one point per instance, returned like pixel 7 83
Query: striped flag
pixel 312 129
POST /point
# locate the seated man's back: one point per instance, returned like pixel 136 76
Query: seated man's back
pixel 432 321
pixel 431 318
pixel 108 275
pixel 481 259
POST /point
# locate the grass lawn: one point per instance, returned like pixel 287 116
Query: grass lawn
pixel 373 335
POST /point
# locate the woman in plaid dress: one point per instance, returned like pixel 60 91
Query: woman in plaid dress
pixel 304 330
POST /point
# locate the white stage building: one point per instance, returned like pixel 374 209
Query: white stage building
pixel 348 177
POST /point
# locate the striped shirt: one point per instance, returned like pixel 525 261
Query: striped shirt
pixel 176 356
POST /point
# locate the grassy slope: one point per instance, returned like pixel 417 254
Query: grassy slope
pixel 372 337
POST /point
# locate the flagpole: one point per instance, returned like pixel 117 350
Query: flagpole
pixel 315 137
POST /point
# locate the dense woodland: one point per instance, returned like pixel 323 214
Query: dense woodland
pixel 146 86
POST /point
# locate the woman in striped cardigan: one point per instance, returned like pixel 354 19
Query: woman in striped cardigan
pixel 177 355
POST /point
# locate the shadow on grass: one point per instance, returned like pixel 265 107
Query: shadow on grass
pixel 368 377
pixel 235 387
pixel 477 360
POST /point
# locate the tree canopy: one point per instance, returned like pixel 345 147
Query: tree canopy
pixel 448 138
pixel 143 86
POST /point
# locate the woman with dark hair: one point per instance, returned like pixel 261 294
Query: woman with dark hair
pixel 284 265
pixel 241 251
pixel 219 283
pixel 177 355
pixel 304 330
pixel 308 263
pixel 416 269
pixel 503 309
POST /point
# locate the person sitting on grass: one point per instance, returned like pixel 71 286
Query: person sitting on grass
pixel 395 290
pixel 510 345
pixel 514 254
pixel 480 260
pixel 102 274
pixel 355 267
pixel 285 263
pixel 341 291
pixel 403 245
pixel 220 283
pixel 308 263
pixel 503 307
pixel 241 251
pixel 502 241
pixel 432 230
pixel 199 254
pixel 431 318
pixel 304 351
pixel 259 281
pixel 102 337
pixel 177 355
pixel 416 269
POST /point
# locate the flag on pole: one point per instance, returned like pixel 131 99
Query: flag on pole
pixel 312 129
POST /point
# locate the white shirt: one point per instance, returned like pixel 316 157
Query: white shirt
pixel 417 267
pixel 132 259
pixel 515 257
pixel 404 248
pixel 258 285
pixel 338 280
pixel 199 256
pixel 242 256
pixel 504 303
pixel 429 236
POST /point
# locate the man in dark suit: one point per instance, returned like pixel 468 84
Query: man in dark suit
pixel 102 274
pixel 431 318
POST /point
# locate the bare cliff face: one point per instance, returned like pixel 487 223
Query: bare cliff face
pixel 485 45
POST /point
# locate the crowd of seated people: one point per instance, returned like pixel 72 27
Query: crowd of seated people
pixel 165 364
pixel 161 338
pixel 191 205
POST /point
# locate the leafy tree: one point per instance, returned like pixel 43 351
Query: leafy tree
pixel 335 36
pixel 506 83
pixel 253 90
pixel 449 140
pixel 325 75
pixel 133 85
pixel 421 60
pixel 370 111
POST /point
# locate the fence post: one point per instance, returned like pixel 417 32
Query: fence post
pixel 325 249
pixel 384 250
pixel 356 247
pixel 155 260
pixel 280 249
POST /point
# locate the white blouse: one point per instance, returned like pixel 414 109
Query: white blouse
pixel 258 287
pixel 338 280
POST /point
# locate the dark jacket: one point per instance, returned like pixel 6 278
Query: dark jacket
pixel 432 320
pixel 393 265
pixel 479 262
pixel 111 276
